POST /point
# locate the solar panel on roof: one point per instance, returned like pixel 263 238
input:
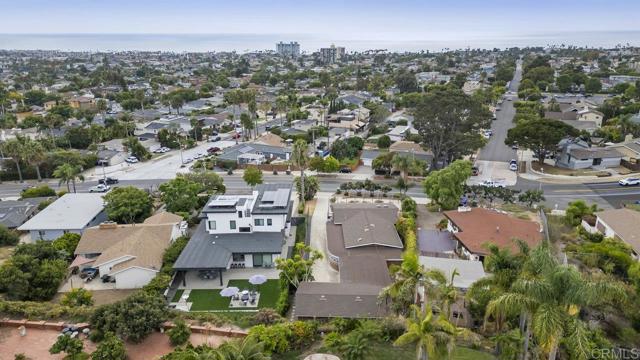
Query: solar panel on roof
pixel 269 196
pixel 282 197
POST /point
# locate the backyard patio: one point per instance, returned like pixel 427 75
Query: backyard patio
pixel 211 300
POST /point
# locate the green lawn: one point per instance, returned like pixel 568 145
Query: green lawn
pixel 207 300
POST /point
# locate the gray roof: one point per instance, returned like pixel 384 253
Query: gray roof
pixel 468 271
pixel 592 153
pixel 70 212
pixel 232 153
pixel 14 213
pixel 369 154
pixel 331 300
pixel 367 224
pixel 207 251
pixel 281 193
pixel 435 241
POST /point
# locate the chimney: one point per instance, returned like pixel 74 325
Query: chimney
pixel 108 225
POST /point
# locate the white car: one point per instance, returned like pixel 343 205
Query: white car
pixel 629 182
pixel 132 160
pixel 491 183
pixel 513 165
pixel 187 160
pixel 99 188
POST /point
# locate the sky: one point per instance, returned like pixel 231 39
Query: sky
pixel 370 20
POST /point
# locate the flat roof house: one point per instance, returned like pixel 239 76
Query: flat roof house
pixel 130 253
pixel 239 231
pixel 70 213
pixel 473 228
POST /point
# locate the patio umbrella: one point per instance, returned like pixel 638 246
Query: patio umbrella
pixel 257 279
pixel 230 291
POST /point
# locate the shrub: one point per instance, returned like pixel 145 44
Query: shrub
pixel 39 191
pixel 77 297
pixel 409 207
pixel 303 333
pixel 8 237
pixel 282 305
pixel 266 316
pixel 392 328
pixel 180 333
pixel 275 338
pixel 43 204
pixel 71 346
pixel 333 341
pixel 67 243
pixel 111 348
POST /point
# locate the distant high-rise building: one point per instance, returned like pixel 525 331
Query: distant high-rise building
pixel 291 49
pixel 332 54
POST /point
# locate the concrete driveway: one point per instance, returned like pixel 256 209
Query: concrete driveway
pixel 322 271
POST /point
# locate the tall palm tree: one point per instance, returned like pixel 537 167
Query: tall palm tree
pixel 68 173
pixel 404 163
pixel 14 148
pixel 247 349
pixel 433 336
pixel 282 105
pixel 300 158
pixel 550 296
pixel 34 154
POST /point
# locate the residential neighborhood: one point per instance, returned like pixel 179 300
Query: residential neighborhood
pixel 318 199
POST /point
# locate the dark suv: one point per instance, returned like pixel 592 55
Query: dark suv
pixel 108 181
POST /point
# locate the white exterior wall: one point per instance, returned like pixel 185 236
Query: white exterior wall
pixel 278 223
pixel 608 231
pixel 134 278
pixel 105 268
pixel 223 221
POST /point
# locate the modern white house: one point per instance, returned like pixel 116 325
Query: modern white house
pixel 239 231
pixel 72 213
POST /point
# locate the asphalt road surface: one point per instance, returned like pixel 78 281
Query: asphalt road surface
pixel 496 150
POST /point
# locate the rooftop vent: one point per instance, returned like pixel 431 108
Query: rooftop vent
pixel 109 225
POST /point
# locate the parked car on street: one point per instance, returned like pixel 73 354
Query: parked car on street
pixel 513 165
pixel 213 150
pixel 345 170
pixel 100 188
pixel 108 181
pixel 132 160
pixel 629 182
pixel 492 183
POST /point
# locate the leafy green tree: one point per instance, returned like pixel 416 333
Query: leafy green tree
pixel 8 237
pixel 179 334
pixel 564 83
pixel 530 197
pixel 135 148
pixel 300 158
pixel 593 85
pixel 66 344
pixel 34 154
pixel 77 297
pixel 433 336
pixel 447 120
pixel 331 164
pixel 576 210
pixel 540 136
pixel 128 205
pixel 446 186
pixel 312 185
pixel 133 318
pixel 384 142
pixel 406 81
pixel 67 243
pixel 316 163
pixel 110 348
pixel 180 195
pixel 252 176
pixel 68 174
pixel 299 267
pixel 383 161
pixel 211 182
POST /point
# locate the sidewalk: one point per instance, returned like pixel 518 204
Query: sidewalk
pixel 534 175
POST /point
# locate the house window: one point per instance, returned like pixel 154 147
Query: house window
pixel 212 224
pixel 269 222
pixel 240 214
pixel 259 222
pixel 232 224
pixel 238 257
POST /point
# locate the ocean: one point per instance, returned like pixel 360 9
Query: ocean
pixel 308 43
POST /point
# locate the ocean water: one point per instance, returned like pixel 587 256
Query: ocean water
pixel 308 43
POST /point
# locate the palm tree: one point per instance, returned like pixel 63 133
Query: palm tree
pixel 282 104
pixel 14 148
pixel 300 158
pixel 68 173
pixel 247 349
pixel 404 163
pixel 550 296
pixel 34 154
pixel 356 346
pixel 433 336
pixel 403 291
